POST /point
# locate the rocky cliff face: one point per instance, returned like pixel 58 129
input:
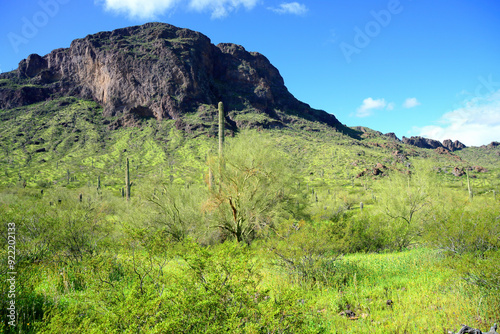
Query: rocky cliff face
pixel 161 71
pixel 433 144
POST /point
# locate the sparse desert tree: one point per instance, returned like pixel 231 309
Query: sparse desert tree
pixel 176 210
pixel 405 200
pixel 254 188
pixel 79 231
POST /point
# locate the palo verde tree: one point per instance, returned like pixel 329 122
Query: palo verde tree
pixel 405 199
pixel 255 188
pixel 176 211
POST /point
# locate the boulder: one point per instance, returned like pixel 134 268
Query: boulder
pixel 458 171
pixel 469 330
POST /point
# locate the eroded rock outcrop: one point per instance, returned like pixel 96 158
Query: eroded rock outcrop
pixel 422 142
pixel 392 136
pixel 453 145
pixel 433 144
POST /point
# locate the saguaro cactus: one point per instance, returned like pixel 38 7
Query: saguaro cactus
pixel 471 195
pixel 127 181
pixel 211 180
pixel 221 129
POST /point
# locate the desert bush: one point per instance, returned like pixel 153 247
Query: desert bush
pixel 482 274
pixel 33 229
pixel 469 236
pixel 213 289
pixel 308 253
pixel 30 304
pixel 78 230
pixel 177 211
pixel 405 198
pixel 466 227
pixel 361 233
pixel 67 230
pixel 482 271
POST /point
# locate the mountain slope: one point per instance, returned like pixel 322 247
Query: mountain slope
pixel 64 117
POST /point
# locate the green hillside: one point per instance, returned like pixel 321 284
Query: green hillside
pixel 301 229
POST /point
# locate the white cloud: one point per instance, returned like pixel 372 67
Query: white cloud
pixel 151 9
pixel 411 102
pixel 390 106
pixel 290 8
pixel 476 123
pixel 369 105
pixel 221 8
pixel 138 9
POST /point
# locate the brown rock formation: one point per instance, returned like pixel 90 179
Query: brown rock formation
pixel 453 146
pixel 433 144
pixel 458 171
pixel 392 136
pixel 422 142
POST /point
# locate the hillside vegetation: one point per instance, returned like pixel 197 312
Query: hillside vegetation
pixel 298 230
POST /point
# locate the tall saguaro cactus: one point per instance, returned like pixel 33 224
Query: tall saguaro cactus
pixel 127 181
pixel 471 195
pixel 211 180
pixel 221 129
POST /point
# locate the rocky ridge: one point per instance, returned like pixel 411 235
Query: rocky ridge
pixel 433 144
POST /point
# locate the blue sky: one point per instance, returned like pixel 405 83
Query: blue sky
pixel 421 67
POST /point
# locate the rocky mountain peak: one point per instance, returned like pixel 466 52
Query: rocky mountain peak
pixel 161 71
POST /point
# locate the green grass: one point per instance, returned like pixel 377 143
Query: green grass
pixel 423 291
pixel 427 296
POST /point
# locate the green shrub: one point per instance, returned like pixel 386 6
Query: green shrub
pixel 405 198
pixel 30 304
pixel 361 233
pixel 213 289
pixel 466 227
pixel 177 211
pixel 469 234
pixel 308 254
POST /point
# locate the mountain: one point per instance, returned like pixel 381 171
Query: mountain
pixel 434 144
pixel 159 71
pixel 418 141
